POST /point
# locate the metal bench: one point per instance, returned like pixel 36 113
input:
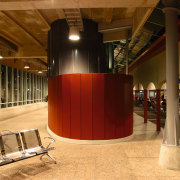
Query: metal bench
pixel 16 146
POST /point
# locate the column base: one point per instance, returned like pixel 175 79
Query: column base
pixel 169 157
pixel 90 142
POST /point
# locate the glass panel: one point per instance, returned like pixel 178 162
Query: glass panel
pixel 38 87
pixel 32 86
pixel 9 86
pixel 19 81
pixel 35 88
pixel 15 87
pixel 24 90
pixel 28 88
pixel 3 86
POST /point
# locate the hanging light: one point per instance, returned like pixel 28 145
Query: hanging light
pixel 26 66
pixel 40 72
pixel 74 33
pixel 1 55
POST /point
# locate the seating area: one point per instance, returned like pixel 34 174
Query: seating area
pixel 19 145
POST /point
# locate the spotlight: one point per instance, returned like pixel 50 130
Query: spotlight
pixel 74 34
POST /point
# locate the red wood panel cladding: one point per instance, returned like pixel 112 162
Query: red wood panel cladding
pixel 91 106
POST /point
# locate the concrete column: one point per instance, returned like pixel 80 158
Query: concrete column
pixel 12 86
pixel 25 88
pixel 6 92
pixel 0 86
pixel 145 105
pixel 170 150
pixel 172 77
pixel 17 76
pixel 127 55
pixel 21 87
pixel 158 109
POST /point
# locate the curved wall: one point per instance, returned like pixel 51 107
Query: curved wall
pixel 91 106
pixel 83 56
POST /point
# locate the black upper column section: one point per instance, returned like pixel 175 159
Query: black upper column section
pixel 67 57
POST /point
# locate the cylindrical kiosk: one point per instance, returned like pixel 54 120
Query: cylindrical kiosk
pixel 84 101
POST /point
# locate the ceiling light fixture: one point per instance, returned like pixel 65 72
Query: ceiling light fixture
pixel 1 56
pixel 26 66
pixel 74 33
pixel 40 72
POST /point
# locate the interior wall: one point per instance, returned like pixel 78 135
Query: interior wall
pixel 153 70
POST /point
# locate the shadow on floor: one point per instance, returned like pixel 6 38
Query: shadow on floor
pixel 24 170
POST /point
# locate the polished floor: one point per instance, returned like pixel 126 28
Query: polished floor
pixel 133 160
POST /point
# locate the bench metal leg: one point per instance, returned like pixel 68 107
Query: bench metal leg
pixel 48 156
pixel 51 158
pixel 42 156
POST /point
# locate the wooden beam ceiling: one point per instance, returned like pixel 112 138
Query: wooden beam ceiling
pixel 14 22
pixel 62 4
pixel 117 24
pixel 73 18
pixel 29 22
pixel 40 16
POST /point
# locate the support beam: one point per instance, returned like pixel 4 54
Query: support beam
pixel 172 77
pixel 158 109
pixel 170 148
pixel 58 4
pixel 10 46
pixel 13 21
pixel 0 86
pixel 145 105
pixel 114 36
pixel 60 13
pixel 10 38
pixel 25 57
pixel 140 17
pixel 40 16
pixel 108 14
pixel 117 25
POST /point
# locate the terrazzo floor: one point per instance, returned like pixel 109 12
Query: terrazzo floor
pixel 136 159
